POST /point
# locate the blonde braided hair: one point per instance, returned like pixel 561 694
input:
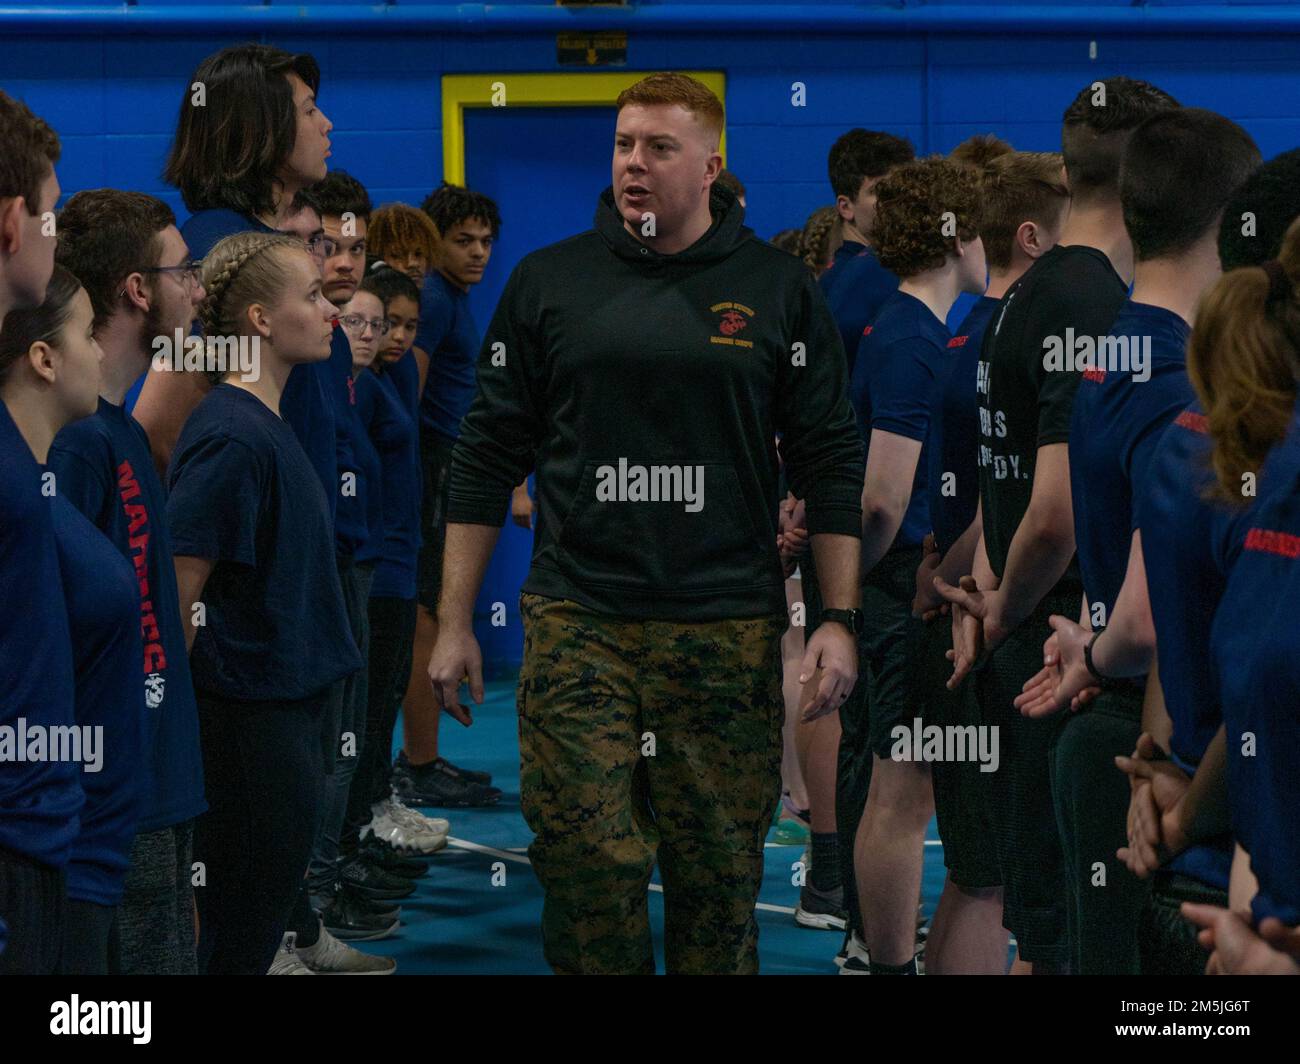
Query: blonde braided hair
pixel 822 235
pixel 237 272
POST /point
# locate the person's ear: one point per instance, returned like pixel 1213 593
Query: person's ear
pixel 1030 240
pixel 12 210
pixel 44 361
pixel 260 319
pixel 135 293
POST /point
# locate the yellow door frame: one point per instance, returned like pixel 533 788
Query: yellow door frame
pixel 568 89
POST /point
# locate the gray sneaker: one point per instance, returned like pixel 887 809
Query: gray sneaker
pixel 331 957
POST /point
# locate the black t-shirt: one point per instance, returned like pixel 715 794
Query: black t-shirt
pixel 1028 372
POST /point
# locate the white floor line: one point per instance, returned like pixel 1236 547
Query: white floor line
pixel 478 847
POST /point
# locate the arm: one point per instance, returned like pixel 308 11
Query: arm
pixel 191 578
pixel 165 403
pixel 886 491
pixel 465 557
pixel 1042 546
pixel 1127 648
pixel 422 365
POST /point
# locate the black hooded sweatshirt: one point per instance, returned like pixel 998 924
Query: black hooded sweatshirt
pixel 647 391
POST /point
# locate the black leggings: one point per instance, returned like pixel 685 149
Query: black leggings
pixel 264 767
pixel 392 636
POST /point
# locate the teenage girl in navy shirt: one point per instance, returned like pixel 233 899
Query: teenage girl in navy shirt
pixel 254 557
pixel 49 369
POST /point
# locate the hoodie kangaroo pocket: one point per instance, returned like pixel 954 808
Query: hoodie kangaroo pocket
pixel 679 529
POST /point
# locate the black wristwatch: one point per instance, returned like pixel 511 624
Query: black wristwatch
pixel 852 619
pixel 1105 682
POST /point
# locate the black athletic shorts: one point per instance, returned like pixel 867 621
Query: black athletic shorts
pixel 435 464
pixel 890 644
pixel 961 788
pixel 1025 834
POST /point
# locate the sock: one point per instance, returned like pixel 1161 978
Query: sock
pixel 894 969
pixel 825 861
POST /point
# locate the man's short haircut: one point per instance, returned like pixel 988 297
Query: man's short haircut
pixel 1260 212
pixel 863 153
pixel 304 200
pixel 29 148
pixel 980 150
pixel 1022 186
pixel 340 193
pixel 397 229
pixel 683 90
pixel 911 204
pixel 1096 127
pixel 105 234
pixel 450 205
pixel 1179 170
pixel 229 152
pixel 729 180
pixel 389 284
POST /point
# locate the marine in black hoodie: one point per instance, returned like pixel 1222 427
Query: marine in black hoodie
pixel 647 390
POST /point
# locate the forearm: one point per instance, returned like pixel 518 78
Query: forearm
pixel 465 557
pixel 1204 813
pixel 959 559
pixel 1128 645
pixel 1040 553
pixel 837 558
pixel 1155 714
pixel 191 578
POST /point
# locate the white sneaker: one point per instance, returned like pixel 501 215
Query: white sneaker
pixel 287 961
pixel 403 813
pixel 331 957
pixel 853 958
pixel 402 835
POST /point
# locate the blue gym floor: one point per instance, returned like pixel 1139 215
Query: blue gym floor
pixel 458 922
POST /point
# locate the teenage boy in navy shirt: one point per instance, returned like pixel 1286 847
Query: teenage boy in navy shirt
pixel 127 252
pixel 261 95
pixel 39 800
pixel 1076 289
pixel 1179 169
pixel 446 352
pixel 856 284
pixel 1025 201
pixel 894 381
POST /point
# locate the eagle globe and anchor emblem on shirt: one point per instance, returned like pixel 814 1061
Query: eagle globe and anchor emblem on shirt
pixel 732 319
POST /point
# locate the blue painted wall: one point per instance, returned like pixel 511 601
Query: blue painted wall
pixel 113 95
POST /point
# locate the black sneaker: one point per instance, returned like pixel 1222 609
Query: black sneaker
pixel 437 784
pixel 371 881
pixel 345 919
pixel 474 776
pixel 377 852
pixel 821 909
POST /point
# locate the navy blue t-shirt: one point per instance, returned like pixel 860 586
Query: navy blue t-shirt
pixel 103 606
pixel 448 335
pixel 893 386
pixel 1256 659
pixel 243 494
pixel 393 431
pixel 104 469
pixel 856 287
pixel 39 799
pixel 953 444
pixel 1116 424
pixel 1189 544
pixel 370 490
pixel 313 394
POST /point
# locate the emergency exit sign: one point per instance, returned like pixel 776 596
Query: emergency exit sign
pixel 591 49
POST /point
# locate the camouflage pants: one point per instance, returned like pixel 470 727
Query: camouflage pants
pixel 642 740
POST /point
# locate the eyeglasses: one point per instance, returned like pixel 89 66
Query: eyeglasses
pixel 357 324
pixel 322 246
pixel 188 273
